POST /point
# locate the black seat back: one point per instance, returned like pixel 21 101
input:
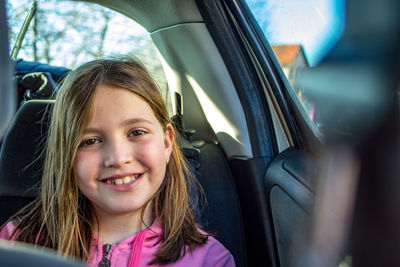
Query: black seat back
pixel 221 213
pixel 21 159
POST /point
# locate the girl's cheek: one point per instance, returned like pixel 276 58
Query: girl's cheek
pixel 85 162
pixel 148 152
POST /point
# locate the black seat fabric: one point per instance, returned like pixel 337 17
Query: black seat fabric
pixel 21 159
pixel 221 213
pixel 21 163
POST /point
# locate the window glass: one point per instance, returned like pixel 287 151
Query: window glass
pixel 70 33
pixel 300 33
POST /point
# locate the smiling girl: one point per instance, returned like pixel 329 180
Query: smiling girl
pixel 114 188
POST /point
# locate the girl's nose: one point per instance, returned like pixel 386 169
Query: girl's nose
pixel 117 154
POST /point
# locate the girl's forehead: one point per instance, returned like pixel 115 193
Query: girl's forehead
pixel 104 89
pixel 112 94
pixel 113 104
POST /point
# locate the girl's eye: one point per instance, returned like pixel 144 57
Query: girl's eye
pixel 137 133
pixel 89 142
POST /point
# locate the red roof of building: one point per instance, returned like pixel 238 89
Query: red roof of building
pixel 286 53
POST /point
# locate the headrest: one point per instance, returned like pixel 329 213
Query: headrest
pixel 22 151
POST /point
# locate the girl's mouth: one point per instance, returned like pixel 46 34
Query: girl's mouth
pixel 122 180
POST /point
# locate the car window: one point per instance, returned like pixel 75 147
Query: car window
pixel 69 33
pixel 300 33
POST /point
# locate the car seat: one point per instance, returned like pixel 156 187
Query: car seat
pixel 21 159
pixel 21 164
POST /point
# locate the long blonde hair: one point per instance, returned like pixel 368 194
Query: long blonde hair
pixel 61 217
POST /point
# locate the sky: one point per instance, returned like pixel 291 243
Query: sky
pixel 315 24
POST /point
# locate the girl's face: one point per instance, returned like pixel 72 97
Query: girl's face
pixel 121 161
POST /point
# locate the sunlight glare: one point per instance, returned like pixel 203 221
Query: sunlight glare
pixel 215 117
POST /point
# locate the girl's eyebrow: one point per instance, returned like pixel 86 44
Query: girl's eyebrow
pixel 123 123
pixel 134 120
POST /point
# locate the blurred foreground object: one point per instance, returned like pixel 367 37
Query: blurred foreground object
pixel 20 255
pixel 357 212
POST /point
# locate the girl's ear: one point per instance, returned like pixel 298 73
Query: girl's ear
pixel 169 136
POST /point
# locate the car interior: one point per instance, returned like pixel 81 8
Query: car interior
pixel 258 157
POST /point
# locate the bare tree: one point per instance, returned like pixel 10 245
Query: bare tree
pixel 70 33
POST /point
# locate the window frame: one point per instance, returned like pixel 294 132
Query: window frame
pixel 301 132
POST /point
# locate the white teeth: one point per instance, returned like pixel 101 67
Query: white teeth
pixel 119 181
pixel 124 180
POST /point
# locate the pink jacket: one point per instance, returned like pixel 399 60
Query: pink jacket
pixel 139 249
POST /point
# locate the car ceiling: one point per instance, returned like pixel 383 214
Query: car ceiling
pixel 154 15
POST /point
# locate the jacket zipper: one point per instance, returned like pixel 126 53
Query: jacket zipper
pixel 105 261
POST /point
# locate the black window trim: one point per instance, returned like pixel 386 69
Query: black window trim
pixel 244 77
pixel 302 134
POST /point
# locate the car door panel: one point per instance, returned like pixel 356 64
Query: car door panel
pixel 289 194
